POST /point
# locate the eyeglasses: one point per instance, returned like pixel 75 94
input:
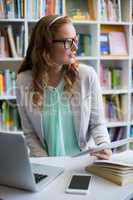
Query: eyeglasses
pixel 68 42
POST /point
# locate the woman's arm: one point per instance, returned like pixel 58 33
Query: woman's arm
pixel 97 126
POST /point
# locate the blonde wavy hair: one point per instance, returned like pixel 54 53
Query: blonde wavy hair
pixel 38 60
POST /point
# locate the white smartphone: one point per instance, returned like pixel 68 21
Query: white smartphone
pixel 79 184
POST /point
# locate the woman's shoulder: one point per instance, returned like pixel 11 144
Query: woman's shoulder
pixel 86 72
pixel 24 78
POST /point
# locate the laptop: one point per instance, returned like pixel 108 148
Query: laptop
pixel 16 169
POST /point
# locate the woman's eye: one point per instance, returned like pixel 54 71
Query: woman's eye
pixel 68 43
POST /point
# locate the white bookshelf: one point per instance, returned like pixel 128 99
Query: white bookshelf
pixel 94 58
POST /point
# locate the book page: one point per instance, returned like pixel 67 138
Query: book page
pixel 103 146
pixel 122 159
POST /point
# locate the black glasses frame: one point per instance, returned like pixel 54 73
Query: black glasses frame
pixel 68 42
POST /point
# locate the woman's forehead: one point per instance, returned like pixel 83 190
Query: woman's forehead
pixel 66 30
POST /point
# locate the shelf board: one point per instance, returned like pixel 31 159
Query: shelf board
pixel 114 91
pixel 113 23
pixel 32 20
pixel 11 131
pixel 11 59
pixel 84 22
pixel 86 58
pixel 115 124
pixel 111 57
pixel 12 20
pixel 131 123
pixel 5 97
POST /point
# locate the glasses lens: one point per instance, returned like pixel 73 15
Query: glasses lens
pixel 68 43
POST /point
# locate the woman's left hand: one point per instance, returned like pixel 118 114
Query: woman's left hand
pixel 104 154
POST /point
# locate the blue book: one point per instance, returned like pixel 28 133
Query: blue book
pixel 104 44
pixel 19 9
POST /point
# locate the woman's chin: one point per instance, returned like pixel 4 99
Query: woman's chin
pixel 71 61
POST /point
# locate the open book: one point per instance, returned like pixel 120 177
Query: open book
pixel 103 146
pixel 119 169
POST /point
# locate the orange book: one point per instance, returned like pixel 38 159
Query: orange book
pixel 50 7
pixel 1 84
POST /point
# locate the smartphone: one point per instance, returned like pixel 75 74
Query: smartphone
pixel 79 184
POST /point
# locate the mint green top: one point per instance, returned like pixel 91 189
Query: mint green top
pixel 58 123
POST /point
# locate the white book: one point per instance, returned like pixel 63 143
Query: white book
pixel 118 169
pixel 11 41
pixel 103 146
pixel 119 11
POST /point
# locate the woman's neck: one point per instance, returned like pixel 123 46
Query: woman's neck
pixel 55 75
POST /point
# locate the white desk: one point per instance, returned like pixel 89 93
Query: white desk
pixel 100 189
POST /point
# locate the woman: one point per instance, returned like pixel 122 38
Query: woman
pixel 59 100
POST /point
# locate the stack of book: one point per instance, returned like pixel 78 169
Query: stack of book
pixel 119 169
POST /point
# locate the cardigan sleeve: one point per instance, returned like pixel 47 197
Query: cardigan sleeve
pixel 32 140
pixel 97 127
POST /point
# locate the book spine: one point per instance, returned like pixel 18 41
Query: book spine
pixel 7 82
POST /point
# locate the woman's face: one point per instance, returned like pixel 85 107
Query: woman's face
pixel 64 45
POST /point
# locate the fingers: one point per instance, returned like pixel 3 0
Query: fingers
pixel 104 154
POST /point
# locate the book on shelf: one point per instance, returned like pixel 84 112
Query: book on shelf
pixel 116 77
pixel 78 10
pixel 11 42
pixel 104 44
pixel 7 83
pixel 119 169
pixel 117 102
pixel 103 10
pixel 114 107
pixel 132 107
pixel 110 10
pixel 11 9
pixel 131 135
pixel 4 43
pixel 50 7
pixel 9 117
pixel 110 77
pixel 113 43
pixel 118 133
pixel 58 7
pixel 117 43
pixel 39 8
pixel 84 46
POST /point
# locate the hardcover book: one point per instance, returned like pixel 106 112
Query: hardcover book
pixel 104 44
pixel 119 169
pixel 117 43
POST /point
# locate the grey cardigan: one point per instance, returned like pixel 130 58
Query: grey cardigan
pixel 86 105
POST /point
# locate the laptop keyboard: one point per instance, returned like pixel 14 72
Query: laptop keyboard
pixel 39 177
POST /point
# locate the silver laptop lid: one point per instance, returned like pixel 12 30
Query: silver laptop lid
pixel 15 168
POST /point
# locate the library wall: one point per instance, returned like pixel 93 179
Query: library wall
pixel 105 29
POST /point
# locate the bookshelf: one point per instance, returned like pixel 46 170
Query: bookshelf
pixel 91 18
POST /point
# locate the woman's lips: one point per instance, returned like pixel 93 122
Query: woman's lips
pixel 72 55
